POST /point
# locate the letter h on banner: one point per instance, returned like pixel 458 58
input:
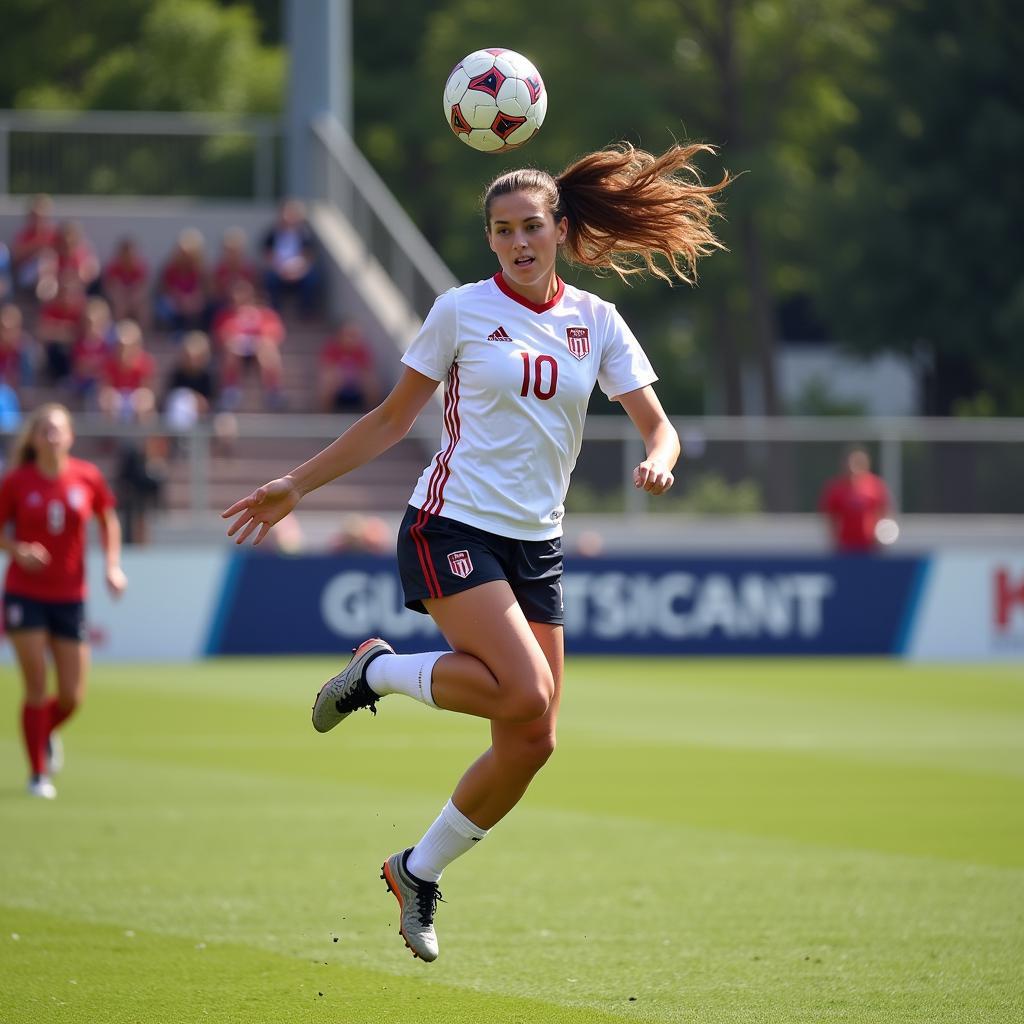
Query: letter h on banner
pixel 1008 594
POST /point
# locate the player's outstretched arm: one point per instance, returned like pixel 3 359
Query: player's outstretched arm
pixel 371 435
pixel 654 474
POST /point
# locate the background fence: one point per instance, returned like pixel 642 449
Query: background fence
pixel 151 154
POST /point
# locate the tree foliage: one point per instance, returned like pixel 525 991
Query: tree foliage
pixel 923 221
pixel 192 55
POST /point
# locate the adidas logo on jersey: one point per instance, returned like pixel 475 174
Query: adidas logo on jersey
pixel 499 335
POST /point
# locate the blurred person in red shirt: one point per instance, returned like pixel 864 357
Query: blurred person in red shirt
pixel 91 351
pixel 126 283
pixel 234 265
pixel 75 255
pixel 17 348
pixel 48 497
pixel 854 503
pixel 346 381
pixel 58 325
pixel 126 394
pixel 182 300
pixel 247 331
pixel 32 252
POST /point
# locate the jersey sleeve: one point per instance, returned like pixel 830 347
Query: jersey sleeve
pixel 624 364
pixel 432 351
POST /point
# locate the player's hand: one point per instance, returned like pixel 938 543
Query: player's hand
pixel 116 580
pixel 263 508
pixel 31 556
pixel 653 476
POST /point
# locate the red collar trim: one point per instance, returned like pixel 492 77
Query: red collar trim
pixel 503 287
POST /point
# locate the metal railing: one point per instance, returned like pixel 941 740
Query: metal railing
pixel 344 177
pixel 155 153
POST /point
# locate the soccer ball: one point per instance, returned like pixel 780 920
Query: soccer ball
pixel 495 100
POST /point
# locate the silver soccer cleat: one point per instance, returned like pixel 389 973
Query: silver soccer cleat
pixel 418 902
pixel 348 691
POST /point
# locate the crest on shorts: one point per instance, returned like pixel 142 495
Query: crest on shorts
pixel 578 339
pixel 460 563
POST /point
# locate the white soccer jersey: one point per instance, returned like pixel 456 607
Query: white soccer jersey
pixel 518 378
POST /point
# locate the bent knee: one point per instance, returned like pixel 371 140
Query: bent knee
pixel 523 702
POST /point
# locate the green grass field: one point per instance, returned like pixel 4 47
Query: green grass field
pixel 713 842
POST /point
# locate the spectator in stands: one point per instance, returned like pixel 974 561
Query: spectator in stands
pixel 289 253
pixel 126 284
pixel 362 534
pixel 234 265
pixel 854 503
pixel 17 348
pixel 6 273
pixel 346 381
pixel 92 351
pixel 190 391
pixel 247 332
pixel 182 302
pixel 75 255
pixel 141 475
pixel 58 327
pixel 126 394
pixel 35 262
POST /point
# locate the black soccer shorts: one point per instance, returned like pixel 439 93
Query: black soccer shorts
pixel 438 557
pixel 65 619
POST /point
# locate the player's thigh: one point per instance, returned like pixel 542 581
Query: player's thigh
pixel 538 734
pixel 30 648
pixel 487 622
pixel 71 660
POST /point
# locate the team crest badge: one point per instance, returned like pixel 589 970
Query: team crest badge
pixel 460 563
pixel 579 341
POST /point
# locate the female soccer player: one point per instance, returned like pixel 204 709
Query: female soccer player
pixel 49 497
pixel 480 546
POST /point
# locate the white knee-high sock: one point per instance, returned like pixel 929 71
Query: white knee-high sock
pixel 404 673
pixel 449 837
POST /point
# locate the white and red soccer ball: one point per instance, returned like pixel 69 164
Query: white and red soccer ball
pixel 495 100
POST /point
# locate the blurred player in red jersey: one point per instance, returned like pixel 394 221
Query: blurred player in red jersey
pixel 854 504
pixel 49 497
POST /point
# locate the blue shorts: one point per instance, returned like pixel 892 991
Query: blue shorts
pixel 65 619
pixel 438 557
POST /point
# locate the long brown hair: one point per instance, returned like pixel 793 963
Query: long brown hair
pixel 626 208
pixel 23 449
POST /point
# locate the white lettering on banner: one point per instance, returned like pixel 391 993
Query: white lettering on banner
pixel 361 603
pixel 678 605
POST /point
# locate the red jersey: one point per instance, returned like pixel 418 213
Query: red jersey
pixel 89 357
pixel 854 504
pixel 60 314
pixel 351 361
pixel 54 513
pixel 129 376
pixel 128 274
pixel 40 235
pixel 181 280
pixel 242 326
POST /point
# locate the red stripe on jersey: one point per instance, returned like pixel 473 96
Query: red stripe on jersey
pixel 423 551
pixel 442 468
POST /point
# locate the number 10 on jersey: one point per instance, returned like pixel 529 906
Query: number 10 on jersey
pixel 541 366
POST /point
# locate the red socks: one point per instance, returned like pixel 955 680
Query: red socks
pixel 35 727
pixel 37 722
